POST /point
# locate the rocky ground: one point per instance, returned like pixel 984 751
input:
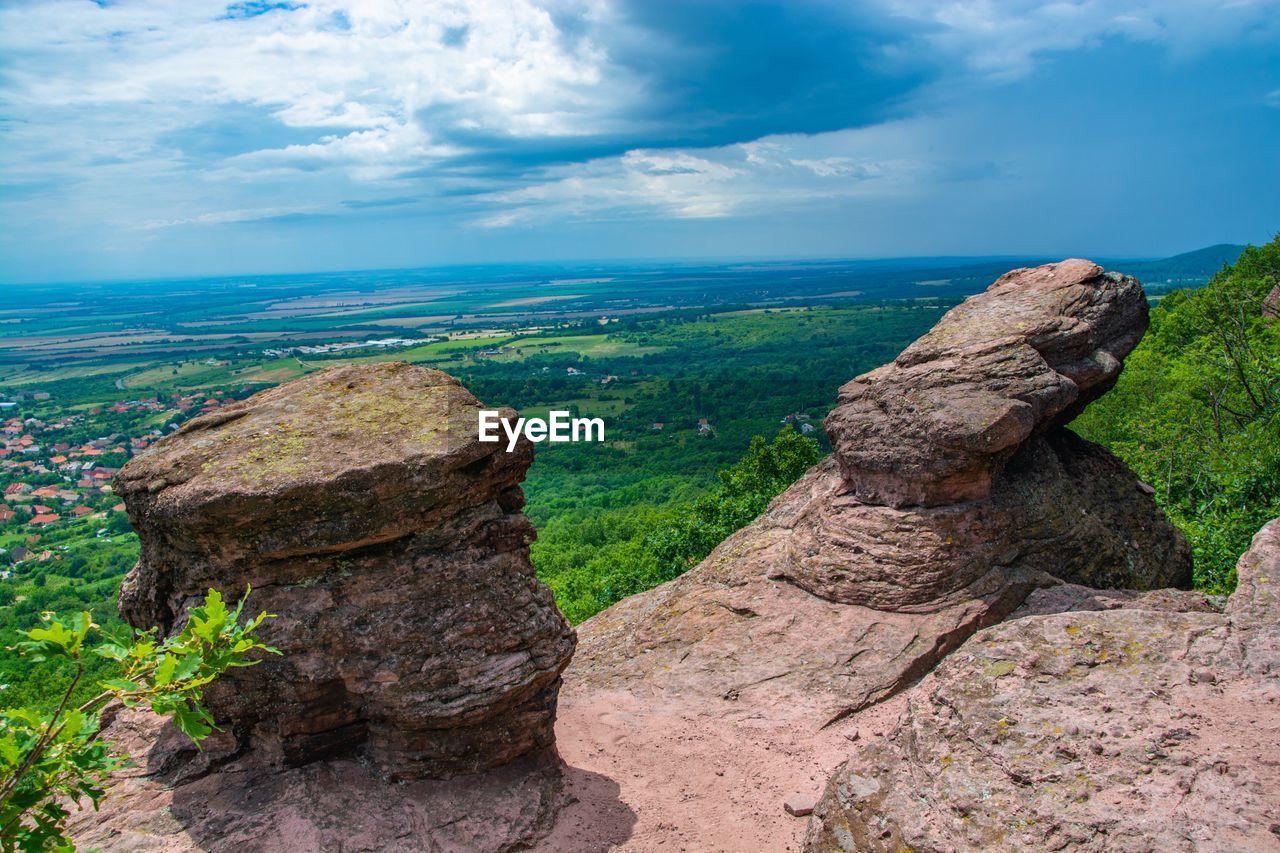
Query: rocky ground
pixel 962 631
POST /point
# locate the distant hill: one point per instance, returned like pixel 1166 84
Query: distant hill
pixel 1188 268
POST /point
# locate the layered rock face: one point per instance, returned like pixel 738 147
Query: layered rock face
pixel 937 424
pixel 1135 723
pixel 1271 304
pixel 360 507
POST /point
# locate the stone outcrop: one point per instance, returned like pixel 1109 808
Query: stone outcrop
pixel 1062 506
pixel 170 802
pixel 1138 723
pixel 954 495
pixel 965 596
pixel 898 587
pixel 938 423
pixel 360 506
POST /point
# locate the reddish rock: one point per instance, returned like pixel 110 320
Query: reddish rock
pixel 171 802
pixel 692 710
pixel 1062 506
pixel 799 805
pixel 1151 726
pixel 829 605
pixel 938 424
pixel 1271 304
pixel 362 509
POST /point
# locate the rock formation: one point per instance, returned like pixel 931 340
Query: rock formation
pixel 958 525
pixel 360 506
pixel 938 423
pixel 954 494
pixel 1150 725
pixel 897 587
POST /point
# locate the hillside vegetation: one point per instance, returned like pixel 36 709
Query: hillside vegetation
pixel 1184 270
pixel 1197 412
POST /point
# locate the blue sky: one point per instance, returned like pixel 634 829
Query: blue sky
pixel 152 138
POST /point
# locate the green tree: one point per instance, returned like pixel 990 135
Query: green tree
pixel 1197 412
pixel 608 556
pixel 48 759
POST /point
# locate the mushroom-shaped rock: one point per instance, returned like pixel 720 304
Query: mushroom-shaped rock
pixel 360 506
pixel 937 424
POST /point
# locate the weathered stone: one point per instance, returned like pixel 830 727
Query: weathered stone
pixel 1062 506
pixel 937 425
pixel 162 806
pixel 1271 304
pixel 362 509
pixel 799 805
pixel 829 605
pixel 728 689
pixel 1118 729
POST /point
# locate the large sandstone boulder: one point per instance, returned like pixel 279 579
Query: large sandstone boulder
pixel 1137 723
pixel 876 565
pixel 937 424
pixel 360 506
pixel 898 587
pixel 691 712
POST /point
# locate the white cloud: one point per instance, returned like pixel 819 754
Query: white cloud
pixel 128 117
pixel 1005 38
pixel 222 217
pixel 382 83
pixel 773 174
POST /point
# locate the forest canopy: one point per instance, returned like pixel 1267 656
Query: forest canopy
pixel 1196 412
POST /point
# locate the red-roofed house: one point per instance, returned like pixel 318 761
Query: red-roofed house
pixel 81 511
pixel 45 518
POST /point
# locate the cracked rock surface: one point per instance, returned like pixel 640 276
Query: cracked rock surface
pixel 960 631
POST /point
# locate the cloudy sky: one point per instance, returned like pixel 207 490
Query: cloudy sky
pixel 147 138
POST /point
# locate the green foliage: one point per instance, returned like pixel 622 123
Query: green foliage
pixel 1197 412
pixel 85 576
pixel 49 759
pixel 630 550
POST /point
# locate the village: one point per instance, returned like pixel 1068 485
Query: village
pixel 56 467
